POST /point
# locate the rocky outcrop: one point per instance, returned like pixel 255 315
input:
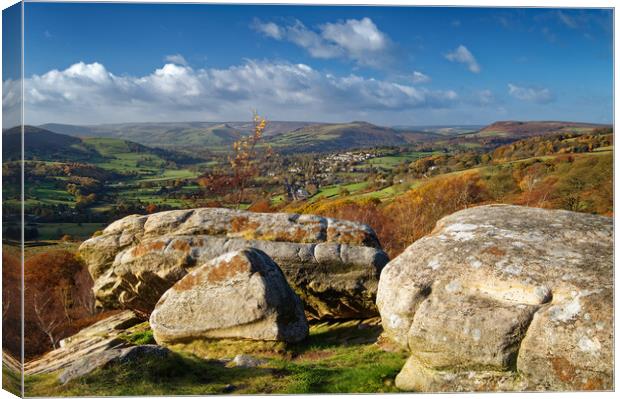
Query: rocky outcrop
pixel 91 341
pixel 504 298
pixel 241 294
pixel 333 265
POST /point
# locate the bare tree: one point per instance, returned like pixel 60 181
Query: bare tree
pixel 47 320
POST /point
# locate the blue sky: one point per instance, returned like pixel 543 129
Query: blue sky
pixel 104 63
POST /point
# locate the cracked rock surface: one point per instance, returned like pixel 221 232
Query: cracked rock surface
pixel 504 297
pixel 333 265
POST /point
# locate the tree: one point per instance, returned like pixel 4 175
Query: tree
pixel 47 321
pixel 244 162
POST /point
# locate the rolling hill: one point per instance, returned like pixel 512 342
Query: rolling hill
pixel 519 130
pixel 45 145
pixel 214 135
pixel 345 136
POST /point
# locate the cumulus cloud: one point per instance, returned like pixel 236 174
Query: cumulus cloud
pixel 357 39
pixel 89 93
pixel 532 94
pixel 11 103
pixel 176 59
pixel 463 56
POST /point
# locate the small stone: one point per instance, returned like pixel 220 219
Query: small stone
pixel 247 361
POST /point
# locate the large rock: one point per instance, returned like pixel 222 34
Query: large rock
pixel 241 294
pixel 504 298
pixel 333 265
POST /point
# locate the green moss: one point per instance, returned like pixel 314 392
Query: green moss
pixel 140 334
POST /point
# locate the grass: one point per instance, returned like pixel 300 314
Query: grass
pixel 391 161
pixel 335 190
pixel 339 357
pixel 11 380
pixel 139 335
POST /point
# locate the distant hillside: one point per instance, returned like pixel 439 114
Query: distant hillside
pixel 345 136
pixel 445 130
pixel 45 145
pixel 176 134
pixel 517 130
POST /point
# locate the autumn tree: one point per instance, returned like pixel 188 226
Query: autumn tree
pixel 244 162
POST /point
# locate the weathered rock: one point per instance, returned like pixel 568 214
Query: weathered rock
pixel 241 294
pixel 504 298
pixel 108 357
pixel 93 340
pixel 333 265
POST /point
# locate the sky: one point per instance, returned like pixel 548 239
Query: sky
pixel 107 63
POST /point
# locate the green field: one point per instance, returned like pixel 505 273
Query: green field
pixel 334 191
pixel 391 161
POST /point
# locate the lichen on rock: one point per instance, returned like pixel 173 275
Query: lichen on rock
pixel 333 265
pixel 504 298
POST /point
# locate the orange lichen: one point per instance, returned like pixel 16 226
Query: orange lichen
pixel 563 369
pixel 180 245
pixel 143 249
pixel 495 251
pixel 225 270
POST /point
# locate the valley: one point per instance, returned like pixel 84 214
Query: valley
pixel 76 185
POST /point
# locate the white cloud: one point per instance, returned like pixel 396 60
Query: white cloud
pixel 419 77
pixel 11 103
pixel 89 93
pixel 532 94
pixel 462 55
pixel 358 40
pixel 176 59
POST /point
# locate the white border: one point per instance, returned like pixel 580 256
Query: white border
pixel 447 3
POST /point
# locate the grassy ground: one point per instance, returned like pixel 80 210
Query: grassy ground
pixel 391 161
pixel 11 380
pixel 335 358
